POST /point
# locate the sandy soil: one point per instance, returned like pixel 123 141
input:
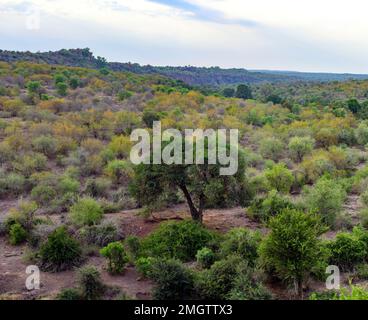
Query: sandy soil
pixel 13 263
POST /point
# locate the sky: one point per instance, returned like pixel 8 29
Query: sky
pixel 298 35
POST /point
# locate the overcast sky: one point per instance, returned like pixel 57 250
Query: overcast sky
pixel 302 35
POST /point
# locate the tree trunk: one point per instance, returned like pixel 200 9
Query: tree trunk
pixel 300 288
pixel 197 215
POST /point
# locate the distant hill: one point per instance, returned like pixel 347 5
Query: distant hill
pixel 199 76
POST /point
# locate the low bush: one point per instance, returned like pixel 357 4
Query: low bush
pixel 280 178
pixel 173 281
pixel 325 198
pixel 69 294
pixel 43 194
pixel 86 212
pixel 248 285
pixel 24 215
pixel 145 266
pixel 100 235
pixel 98 187
pixel 90 284
pixel 205 257
pixel 60 251
pixel 299 147
pixel 353 293
pixel 17 234
pixel 271 148
pixel 362 271
pixel 347 250
pixel 117 258
pixel 242 242
pixel 231 278
pixel 133 246
pixel 265 207
pixel 179 240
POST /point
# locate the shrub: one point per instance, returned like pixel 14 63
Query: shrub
pixel 247 285
pixel 361 134
pixel 69 294
pixel 120 146
pixel 316 165
pixel 242 242
pixel 218 281
pixel 17 234
pixel 324 295
pixel 326 137
pixel 30 163
pixel 100 235
pixel 205 257
pixel 62 89
pixel 347 250
pixel 119 171
pixel 363 214
pixel 326 198
pixel 90 284
pixel 149 116
pixel 60 251
pixel 145 266
pixel 74 83
pixel 86 212
pixel 292 249
pixel 116 256
pixel 172 280
pixel 354 293
pixel 362 271
pixel 263 208
pixel 299 147
pixel 12 184
pixel 45 144
pixel 133 245
pixel 122 95
pixel 68 185
pixel 364 198
pixel 179 240
pixel 280 178
pixel 98 187
pixel 43 194
pixel 271 148
pixel 23 215
pixel 39 234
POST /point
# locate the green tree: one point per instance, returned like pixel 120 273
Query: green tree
pixel 292 249
pixel 152 181
pixel 228 92
pixel 353 105
pixel 243 91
